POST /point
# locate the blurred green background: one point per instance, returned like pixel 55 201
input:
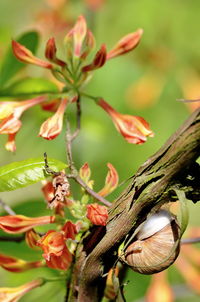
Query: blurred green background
pixel 147 82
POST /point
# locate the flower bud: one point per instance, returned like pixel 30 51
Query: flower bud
pixel 13 294
pixel 111 181
pixel 99 60
pixel 26 56
pixel 52 127
pixel 126 44
pixel 20 223
pixel 79 33
pixel 15 265
pixel 134 128
pixel 50 53
pixel 97 214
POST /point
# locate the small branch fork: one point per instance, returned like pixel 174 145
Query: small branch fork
pixel 74 173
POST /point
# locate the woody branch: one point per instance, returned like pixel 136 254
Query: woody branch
pixel 150 188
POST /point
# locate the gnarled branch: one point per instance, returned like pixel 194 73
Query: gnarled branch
pixel 150 188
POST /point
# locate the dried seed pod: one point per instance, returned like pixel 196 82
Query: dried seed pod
pixel 156 246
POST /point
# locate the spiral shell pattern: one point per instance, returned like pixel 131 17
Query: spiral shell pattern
pixel 155 253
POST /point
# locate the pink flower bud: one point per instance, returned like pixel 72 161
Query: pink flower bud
pixel 50 53
pixel 126 44
pixel 52 127
pixel 26 56
pixel 97 214
pixel 85 172
pixel 134 128
pixel 89 44
pixel 99 60
pixel 20 223
pixel 111 181
pixel 79 33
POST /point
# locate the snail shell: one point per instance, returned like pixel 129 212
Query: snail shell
pixel 156 245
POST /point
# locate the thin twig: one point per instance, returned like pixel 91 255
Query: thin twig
pixel 74 173
pixel 6 208
pixel 188 101
pixel 78 119
pixel 12 239
pixel 190 240
pixel 90 191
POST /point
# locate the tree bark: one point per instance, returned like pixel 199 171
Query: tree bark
pixel 150 188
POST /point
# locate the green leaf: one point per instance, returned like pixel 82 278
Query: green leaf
pixel 11 65
pixel 24 173
pixel 31 86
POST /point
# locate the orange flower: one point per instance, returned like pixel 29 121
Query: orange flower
pixel 52 127
pixel 134 128
pixel 17 265
pixel 55 250
pixel 97 214
pixel 126 44
pixel 70 230
pixel 111 181
pixel 50 53
pixel 48 190
pixel 31 238
pixel 10 112
pixel 159 289
pixel 26 56
pixel 19 223
pixel 13 294
pixel 98 61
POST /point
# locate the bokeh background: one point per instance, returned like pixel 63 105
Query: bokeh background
pixel 147 82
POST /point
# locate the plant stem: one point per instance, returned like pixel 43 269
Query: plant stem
pixel 190 240
pixel 6 208
pixel 74 173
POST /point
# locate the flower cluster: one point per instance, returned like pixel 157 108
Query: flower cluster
pixel 58 245
pixel 74 73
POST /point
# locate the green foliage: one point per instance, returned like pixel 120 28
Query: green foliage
pixel 30 86
pixel 10 65
pixel 24 173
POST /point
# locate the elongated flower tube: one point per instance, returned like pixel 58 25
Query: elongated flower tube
pixel 18 265
pixel 97 214
pixel 20 223
pixel 50 53
pixel 52 127
pixel 126 44
pixel 134 128
pixel 79 33
pixel 111 181
pixel 26 56
pixel 13 294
